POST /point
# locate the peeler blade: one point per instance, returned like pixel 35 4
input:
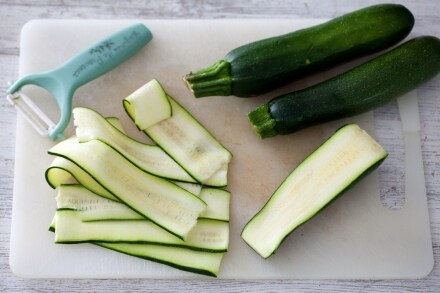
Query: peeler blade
pixel 31 112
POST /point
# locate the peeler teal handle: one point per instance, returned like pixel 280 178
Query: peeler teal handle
pixel 89 64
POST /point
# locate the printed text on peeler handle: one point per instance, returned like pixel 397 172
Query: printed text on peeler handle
pixel 105 55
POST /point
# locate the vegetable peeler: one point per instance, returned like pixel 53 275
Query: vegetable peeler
pixel 62 81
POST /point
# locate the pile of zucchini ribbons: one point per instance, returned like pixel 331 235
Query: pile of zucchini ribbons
pixel 159 202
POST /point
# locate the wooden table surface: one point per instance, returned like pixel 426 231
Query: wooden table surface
pixel 14 14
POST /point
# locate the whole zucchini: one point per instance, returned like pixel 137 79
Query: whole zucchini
pixel 264 65
pixel 356 91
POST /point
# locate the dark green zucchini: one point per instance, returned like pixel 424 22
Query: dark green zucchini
pixel 356 91
pixel 264 65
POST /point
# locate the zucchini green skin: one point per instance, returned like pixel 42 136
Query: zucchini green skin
pixel 265 65
pixel 356 91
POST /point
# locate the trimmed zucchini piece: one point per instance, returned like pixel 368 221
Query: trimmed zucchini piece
pixel 207 235
pixel 218 202
pixel 190 145
pixel 348 155
pixel 200 262
pixel 150 104
pixel 152 159
pixel 159 200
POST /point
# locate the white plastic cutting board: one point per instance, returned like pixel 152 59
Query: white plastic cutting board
pixel 356 237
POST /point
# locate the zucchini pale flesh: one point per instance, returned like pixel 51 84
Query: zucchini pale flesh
pixel 358 90
pixel 348 155
pixel 264 65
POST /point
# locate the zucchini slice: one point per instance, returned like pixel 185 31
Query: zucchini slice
pixel 200 262
pixel 348 155
pixel 61 171
pixel 207 235
pixel 152 99
pixel 159 200
pixel 190 145
pixel 96 208
pixel 152 159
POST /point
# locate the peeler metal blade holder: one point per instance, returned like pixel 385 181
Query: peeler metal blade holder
pixel 84 67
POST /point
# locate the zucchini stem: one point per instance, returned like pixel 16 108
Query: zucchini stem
pixel 214 80
pixel 262 121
